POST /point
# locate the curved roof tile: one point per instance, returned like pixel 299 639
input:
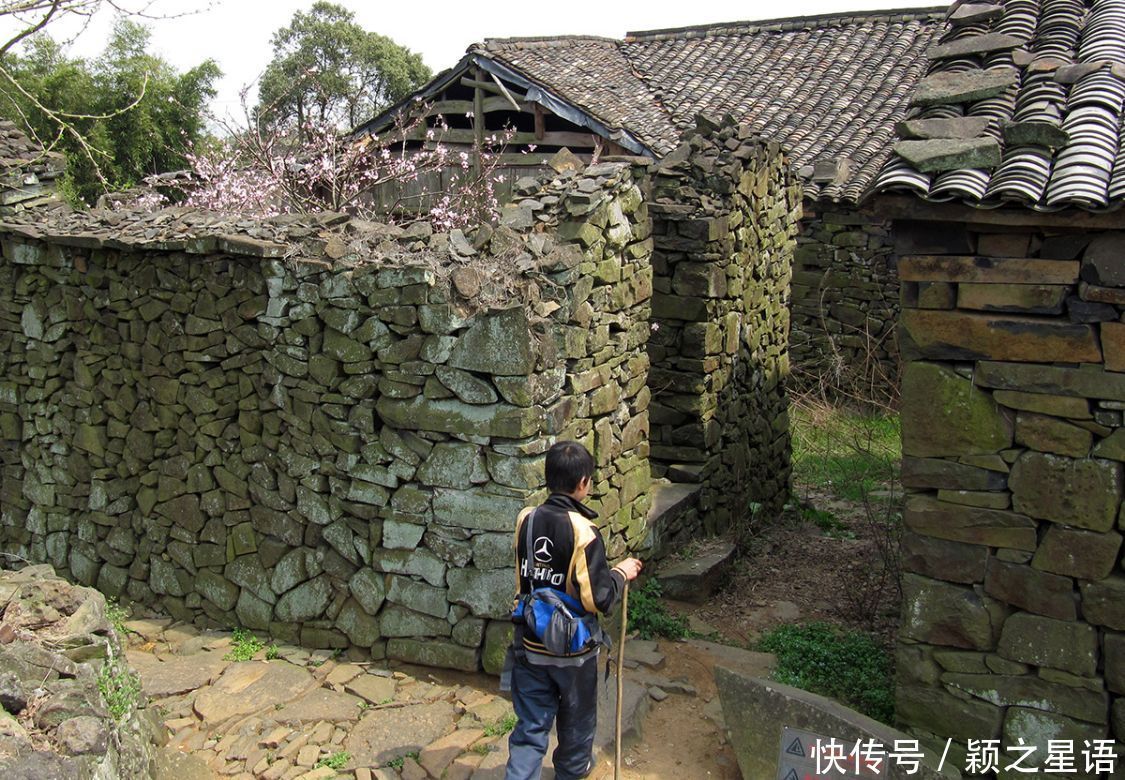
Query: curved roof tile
pixel 1059 127
pixel 828 88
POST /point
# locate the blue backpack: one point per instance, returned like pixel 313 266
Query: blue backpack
pixel 554 618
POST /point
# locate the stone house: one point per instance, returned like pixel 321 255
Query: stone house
pixel 829 89
pixel 1005 198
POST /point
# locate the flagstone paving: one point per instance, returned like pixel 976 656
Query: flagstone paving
pixel 290 713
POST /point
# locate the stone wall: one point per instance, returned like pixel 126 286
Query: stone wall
pixel 1013 623
pixel 845 304
pixel 315 428
pixel 725 209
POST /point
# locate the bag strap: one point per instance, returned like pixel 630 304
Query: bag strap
pixel 529 544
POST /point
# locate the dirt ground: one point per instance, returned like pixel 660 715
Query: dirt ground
pixel 795 571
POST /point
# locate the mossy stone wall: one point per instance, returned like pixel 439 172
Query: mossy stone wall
pixel 1013 395
pixel 725 209
pixel 325 438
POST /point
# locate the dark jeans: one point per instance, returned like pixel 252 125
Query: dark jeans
pixel 540 694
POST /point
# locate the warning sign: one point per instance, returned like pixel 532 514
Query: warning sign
pixel 797 759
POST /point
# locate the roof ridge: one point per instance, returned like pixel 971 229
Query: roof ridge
pixel 787 24
pixel 546 41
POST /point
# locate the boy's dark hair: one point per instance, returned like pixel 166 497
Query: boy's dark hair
pixel 567 463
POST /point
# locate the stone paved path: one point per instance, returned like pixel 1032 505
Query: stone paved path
pixel 291 713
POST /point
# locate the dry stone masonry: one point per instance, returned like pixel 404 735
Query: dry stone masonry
pixel 27 173
pixel 845 304
pixel 725 209
pixel 322 428
pixel 1014 601
pixel 321 431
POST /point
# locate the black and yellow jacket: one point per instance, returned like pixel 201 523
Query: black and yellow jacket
pixel 569 555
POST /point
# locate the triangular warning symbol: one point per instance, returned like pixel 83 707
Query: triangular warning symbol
pixel 795 748
pixel 792 775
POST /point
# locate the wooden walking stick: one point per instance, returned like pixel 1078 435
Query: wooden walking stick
pixel 620 682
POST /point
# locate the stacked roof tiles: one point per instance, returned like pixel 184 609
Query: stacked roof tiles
pixel 20 153
pixel 829 88
pixel 1032 91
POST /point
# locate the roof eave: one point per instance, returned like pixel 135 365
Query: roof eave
pixel 536 93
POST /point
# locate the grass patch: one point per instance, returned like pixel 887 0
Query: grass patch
pixel 244 646
pixel 650 618
pixel 337 760
pixel 827 522
pixel 397 763
pixel 481 748
pixel 843 450
pixel 120 688
pixel 849 666
pixel 502 726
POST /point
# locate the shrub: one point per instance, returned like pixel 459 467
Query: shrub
pixel 650 618
pixel 849 666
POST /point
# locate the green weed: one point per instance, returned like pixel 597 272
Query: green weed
pixel 120 688
pixel 335 761
pixel 650 618
pixel 244 646
pixel 849 666
pixel 481 748
pixel 397 763
pixel 272 653
pixel 502 726
pixel 847 452
pixel 117 615
pixel 827 522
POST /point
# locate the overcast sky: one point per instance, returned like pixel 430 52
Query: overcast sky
pixel 236 33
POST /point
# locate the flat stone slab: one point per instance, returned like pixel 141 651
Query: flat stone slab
pixel 635 705
pixel 174 765
pixel 177 674
pixel 643 652
pixel 747 662
pixel 372 687
pixel 249 687
pixel 694 579
pixel 757 710
pixel 384 735
pixel 318 705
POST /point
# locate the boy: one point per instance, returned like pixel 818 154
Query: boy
pixel 567 554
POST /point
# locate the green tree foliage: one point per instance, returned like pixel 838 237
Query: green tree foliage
pixel 326 69
pixel 119 117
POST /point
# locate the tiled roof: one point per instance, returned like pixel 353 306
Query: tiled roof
pixel 594 74
pixel 829 88
pixel 1049 78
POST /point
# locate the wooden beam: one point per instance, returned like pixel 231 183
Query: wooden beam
pixel 481 84
pixel 552 138
pixel 463 107
pixel 505 92
pixel 540 122
pixel 908 207
pixel 478 120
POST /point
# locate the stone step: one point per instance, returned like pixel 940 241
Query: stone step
pixel 684 472
pixel 672 502
pixel 697 577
